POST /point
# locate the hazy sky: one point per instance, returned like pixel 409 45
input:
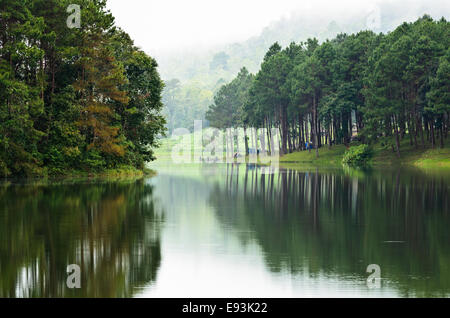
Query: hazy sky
pixel 160 26
pixel 170 24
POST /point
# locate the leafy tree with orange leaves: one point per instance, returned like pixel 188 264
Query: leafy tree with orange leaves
pixel 98 87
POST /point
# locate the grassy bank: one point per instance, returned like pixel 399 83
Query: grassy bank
pixel 327 156
pixel 409 155
pixel 118 172
pixel 382 156
pixel 332 157
pixel 124 172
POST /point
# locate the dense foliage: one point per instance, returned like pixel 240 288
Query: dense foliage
pixel 71 98
pixel 199 73
pixel 374 87
pixel 357 155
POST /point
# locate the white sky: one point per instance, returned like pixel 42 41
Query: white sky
pixel 165 25
pixel 169 24
pixel 160 26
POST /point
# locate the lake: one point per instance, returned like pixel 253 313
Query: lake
pixel 223 230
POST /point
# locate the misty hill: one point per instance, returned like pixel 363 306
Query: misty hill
pixel 192 78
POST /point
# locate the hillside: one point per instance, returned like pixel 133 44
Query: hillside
pixel 192 78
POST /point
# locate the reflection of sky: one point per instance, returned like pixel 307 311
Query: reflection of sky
pixel 203 257
pixel 206 272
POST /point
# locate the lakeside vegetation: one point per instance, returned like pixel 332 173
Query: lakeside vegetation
pixel 389 91
pixel 74 100
pixel 88 102
pixel 193 77
pixel 381 157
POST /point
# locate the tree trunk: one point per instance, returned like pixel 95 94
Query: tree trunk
pixel 328 137
pixel 315 127
pixel 410 131
pixel 269 145
pixel 420 128
pixel 300 133
pixel 284 129
pixel 319 133
pixel 307 135
pixel 288 131
pixel 397 138
pixel 246 140
pixel 236 132
pixel 415 133
pixel 433 139
pixel 350 126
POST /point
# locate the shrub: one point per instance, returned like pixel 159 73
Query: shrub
pixel 4 172
pixel 94 160
pixel 357 155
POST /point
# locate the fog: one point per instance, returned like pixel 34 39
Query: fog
pixel 165 27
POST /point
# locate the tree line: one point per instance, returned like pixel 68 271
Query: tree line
pixel 73 98
pixel 365 86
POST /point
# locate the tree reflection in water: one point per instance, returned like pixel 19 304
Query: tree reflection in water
pixel 338 222
pixel 110 229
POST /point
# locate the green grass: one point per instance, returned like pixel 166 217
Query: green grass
pixel 382 156
pixel 124 174
pixel 332 157
pixel 327 156
pixel 409 155
pixel 434 158
pixel 120 172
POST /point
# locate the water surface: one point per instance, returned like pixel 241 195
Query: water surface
pixel 229 231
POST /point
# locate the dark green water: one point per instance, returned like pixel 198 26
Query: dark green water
pixel 229 231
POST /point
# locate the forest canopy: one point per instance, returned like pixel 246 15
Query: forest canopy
pixel 365 86
pixel 73 98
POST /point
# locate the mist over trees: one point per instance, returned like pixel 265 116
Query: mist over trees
pixel 84 99
pixel 192 68
pixel 374 87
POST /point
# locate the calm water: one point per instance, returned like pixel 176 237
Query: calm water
pixel 229 231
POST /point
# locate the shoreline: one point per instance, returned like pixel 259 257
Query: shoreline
pixel 437 159
pixel 79 176
pixel 422 158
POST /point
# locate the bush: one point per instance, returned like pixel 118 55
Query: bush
pixel 94 161
pixel 357 155
pixel 4 172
